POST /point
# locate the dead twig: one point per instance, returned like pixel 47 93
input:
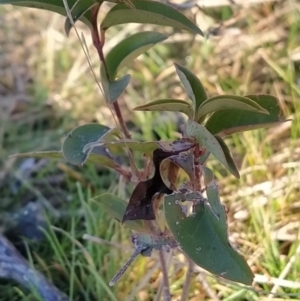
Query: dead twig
pixel 14 267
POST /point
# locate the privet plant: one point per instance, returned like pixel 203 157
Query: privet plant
pixel 164 211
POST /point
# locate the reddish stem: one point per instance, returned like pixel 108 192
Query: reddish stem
pixel 98 44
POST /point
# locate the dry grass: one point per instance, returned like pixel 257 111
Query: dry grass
pixel 46 89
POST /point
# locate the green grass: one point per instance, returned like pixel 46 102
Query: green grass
pixel 61 94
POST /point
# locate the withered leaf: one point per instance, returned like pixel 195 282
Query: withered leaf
pixel 171 165
pixel 140 205
pixel 176 146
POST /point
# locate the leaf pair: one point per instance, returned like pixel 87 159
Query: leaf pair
pixel 93 142
pixel 229 114
pixel 146 12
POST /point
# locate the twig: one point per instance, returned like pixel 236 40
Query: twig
pixel 165 279
pixel 205 285
pixel 166 285
pixel 187 282
pixel 98 44
pixel 13 266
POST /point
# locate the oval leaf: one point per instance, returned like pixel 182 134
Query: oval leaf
pixel 148 12
pixel 145 147
pixel 115 207
pixel 75 142
pixel 229 102
pixel 113 90
pixel 207 175
pixel 79 10
pixel 206 139
pixel 192 85
pixel 177 146
pixel 42 154
pixel 231 164
pixel 172 105
pixel 203 237
pixel 129 49
pixel 228 122
pixel 56 6
pixel 95 157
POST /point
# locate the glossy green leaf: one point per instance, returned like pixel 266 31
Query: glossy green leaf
pixel 206 140
pixel 203 237
pixel 192 85
pixel 130 48
pixel 148 12
pixel 95 158
pixel 42 154
pixel 56 6
pixel 145 147
pixel 113 90
pixel 204 158
pixel 229 102
pixel 172 105
pixel 231 164
pixel 207 175
pixel 115 207
pixel 80 9
pixel 120 56
pixel 75 142
pixel 228 122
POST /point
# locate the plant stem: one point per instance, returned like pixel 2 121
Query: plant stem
pixel 187 282
pixel 165 279
pixel 98 44
pixel 166 285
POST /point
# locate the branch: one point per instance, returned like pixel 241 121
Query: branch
pixel 187 282
pixel 14 267
pixel 98 44
pixel 166 284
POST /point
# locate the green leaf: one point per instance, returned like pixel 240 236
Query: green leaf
pixel 80 9
pixel 228 122
pixel 93 157
pixel 207 140
pixel 114 89
pixel 145 147
pixel 75 142
pixel 56 6
pixel 231 164
pixel 204 158
pixel 148 12
pixel 229 102
pixel 203 236
pixel 207 175
pixel 120 56
pixel 43 154
pixel 192 86
pixel 129 49
pixel 173 105
pixel 115 207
